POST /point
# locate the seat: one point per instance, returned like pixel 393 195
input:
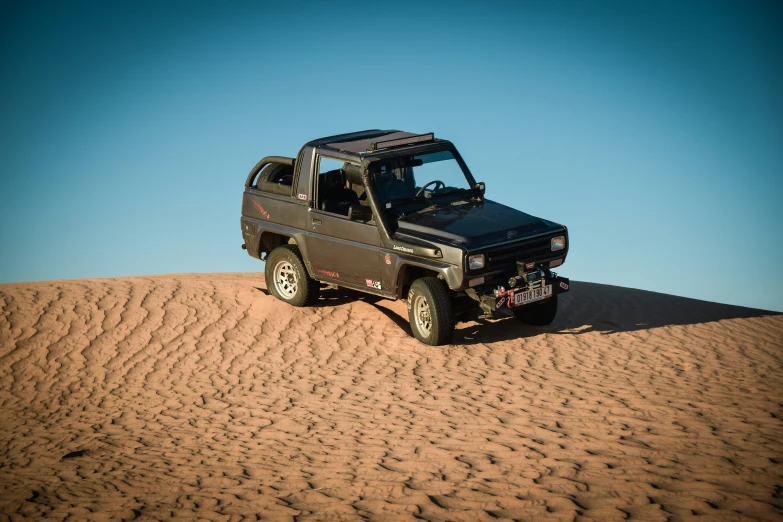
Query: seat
pixel 335 197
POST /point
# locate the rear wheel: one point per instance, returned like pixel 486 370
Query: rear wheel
pixel 287 278
pixel 540 314
pixel 429 311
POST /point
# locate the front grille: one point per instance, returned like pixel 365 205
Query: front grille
pixel 506 256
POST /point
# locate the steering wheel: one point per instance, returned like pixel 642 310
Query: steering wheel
pixel 436 182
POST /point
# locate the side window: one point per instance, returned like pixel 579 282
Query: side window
pixel 333 195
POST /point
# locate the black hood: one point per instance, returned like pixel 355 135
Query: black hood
pixel 474 224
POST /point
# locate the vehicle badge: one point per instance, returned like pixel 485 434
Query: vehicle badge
pixel 511 233
pixel 564 285
pixel 387 257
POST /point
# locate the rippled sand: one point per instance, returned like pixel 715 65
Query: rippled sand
pixel 200 396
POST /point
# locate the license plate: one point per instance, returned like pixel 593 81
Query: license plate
pixel 531 296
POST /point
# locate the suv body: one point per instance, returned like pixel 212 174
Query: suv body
pixel 372 226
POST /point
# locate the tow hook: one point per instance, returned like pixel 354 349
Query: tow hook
pixel 244 246
pixel 487 306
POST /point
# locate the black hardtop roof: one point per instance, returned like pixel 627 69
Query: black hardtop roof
pixel 350 137
pixel 357 144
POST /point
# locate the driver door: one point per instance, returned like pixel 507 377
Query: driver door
pixel 340 250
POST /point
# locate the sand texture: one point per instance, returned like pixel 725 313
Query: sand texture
pixel 202 397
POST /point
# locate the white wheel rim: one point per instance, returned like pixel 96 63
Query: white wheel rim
pixel 421 311
pixel 285 279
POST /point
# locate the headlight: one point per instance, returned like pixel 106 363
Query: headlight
pixel 476 261
pixel 558 243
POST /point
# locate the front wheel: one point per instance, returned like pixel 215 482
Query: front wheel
pixel 287 278
pixel 429 312
pixel 539 314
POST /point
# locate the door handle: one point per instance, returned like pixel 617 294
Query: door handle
pixel 316 222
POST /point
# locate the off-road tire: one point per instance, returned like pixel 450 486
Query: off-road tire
pixel 304 291
pixel 540 314
pixel 438 304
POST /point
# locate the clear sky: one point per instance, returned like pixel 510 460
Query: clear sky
pixel 653 131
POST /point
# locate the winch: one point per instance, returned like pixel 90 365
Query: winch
pixel 526 277
pixel 530 285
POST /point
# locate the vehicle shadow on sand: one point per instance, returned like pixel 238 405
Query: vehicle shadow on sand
pixel 339 296
pixel 606 309
pixel 587 308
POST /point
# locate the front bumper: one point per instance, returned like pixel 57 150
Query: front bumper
pixel 494 300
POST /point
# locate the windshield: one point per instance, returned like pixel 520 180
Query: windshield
pixel 426 175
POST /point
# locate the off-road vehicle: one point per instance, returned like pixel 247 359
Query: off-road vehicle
pixel 399 215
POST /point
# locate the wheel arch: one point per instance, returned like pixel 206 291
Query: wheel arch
pixel 408 273
pixel 269 240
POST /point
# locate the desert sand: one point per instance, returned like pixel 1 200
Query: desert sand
pixel 202 397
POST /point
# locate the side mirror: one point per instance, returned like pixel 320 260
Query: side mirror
pixel 480 187
pixel 359 213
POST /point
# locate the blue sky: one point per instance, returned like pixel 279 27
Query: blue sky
pixel 656 129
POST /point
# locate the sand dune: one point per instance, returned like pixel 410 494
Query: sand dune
pixel 200 396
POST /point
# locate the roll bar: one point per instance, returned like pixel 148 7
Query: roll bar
pixel 282 160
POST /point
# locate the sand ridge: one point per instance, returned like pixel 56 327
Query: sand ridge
pixel 200 396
